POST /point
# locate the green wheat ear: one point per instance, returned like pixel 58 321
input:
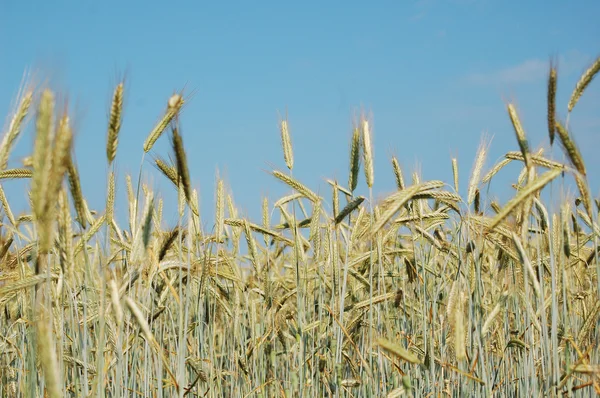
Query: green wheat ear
pixel 114 124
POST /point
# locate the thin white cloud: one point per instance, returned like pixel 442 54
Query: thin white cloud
pixel 525 72
pixel 529 71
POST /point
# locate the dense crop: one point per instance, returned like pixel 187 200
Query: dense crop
pixel 423 293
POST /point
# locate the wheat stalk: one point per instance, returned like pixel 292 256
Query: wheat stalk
pixel 47 352
pixel 527 264
pixel 460 333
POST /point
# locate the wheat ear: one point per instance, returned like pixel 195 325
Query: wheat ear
pixel 398 173
pixel 523 194
pixel 174 106
pixel 367 152
pixel 14 128
pixel 474 181
pixel 286 142
pixel 354 160
pixel 521 138
pixel 181 160
pixel 583 82
pixel 114 123
pixel 570 148
pixel 552 79
pixel 42 153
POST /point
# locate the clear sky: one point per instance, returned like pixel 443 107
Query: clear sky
pixel 434 74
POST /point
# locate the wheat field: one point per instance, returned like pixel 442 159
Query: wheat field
pixel 424 293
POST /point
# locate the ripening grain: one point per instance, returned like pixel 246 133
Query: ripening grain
pixel 419 291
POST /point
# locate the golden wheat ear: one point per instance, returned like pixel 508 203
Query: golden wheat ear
pixel 583 82
pixel 286 142
pixel 174 105
pixel 15 128
pixel 520 132
pixel 570 148
pixel 114 123
pixel 367 152
pixel 181 160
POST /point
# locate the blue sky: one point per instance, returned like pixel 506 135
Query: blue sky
pixel 435 74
